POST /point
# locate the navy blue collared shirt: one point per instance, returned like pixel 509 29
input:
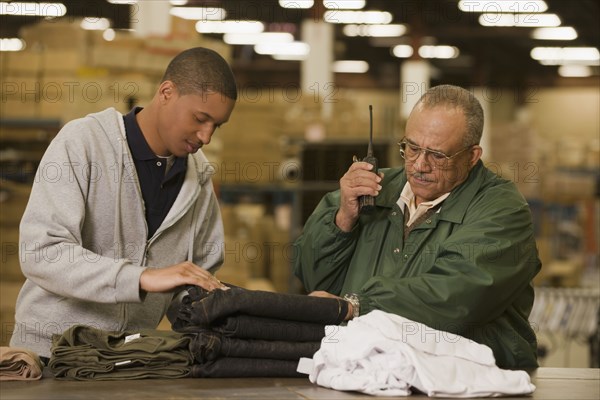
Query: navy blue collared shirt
pixel 158 190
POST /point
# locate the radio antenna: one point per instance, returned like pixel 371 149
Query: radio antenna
pixel 370 148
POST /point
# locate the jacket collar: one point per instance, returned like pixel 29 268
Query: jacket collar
pixel 453 208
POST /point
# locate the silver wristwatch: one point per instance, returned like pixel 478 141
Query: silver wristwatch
pixel 352 298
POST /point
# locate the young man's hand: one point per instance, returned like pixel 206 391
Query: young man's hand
pixel 186 273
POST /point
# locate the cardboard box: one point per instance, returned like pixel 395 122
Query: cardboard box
pixel 27 62
pixel 151 63
pixel 17 109
pixel 56 34
pixel 62 61
pixel 112 57
pixel 21 87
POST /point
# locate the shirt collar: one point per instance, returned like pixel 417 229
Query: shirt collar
pixel 407 198
pixel 140 150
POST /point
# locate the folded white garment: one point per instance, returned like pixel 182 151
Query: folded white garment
pixel 384 354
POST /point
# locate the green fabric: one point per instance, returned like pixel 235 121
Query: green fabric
pixel 466 270
pixel 86 353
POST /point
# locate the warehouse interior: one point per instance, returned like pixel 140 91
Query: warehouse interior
pixel 302 116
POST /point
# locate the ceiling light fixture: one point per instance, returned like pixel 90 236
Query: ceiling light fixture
pixel 444 52
pixel 255 38
pixel 293 49
pixel 25 9
pixel 519 20
pixel 344 4
pixel 505 6
pixel 229 26
pixel 390 30
pixel 350 66
pixel 11 44
pixel 199 13
pixel 109 35
pixel 566 55
pixel 402 51
pixel 95 24
pixel 558 33
pixel 357 17
pixel 296 3
pixel 574 71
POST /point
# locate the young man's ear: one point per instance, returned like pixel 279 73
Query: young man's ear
pixel 166 91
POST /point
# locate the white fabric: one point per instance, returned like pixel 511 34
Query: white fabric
pixel 384 354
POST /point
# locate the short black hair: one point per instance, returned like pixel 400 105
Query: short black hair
pixel 199 70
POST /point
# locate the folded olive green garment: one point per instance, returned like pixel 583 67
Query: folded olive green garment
pixel 18 364
pixel 86 353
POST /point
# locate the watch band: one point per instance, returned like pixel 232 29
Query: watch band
pixel 352 298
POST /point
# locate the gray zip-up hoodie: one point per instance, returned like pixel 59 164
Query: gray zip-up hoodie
pixel 83 236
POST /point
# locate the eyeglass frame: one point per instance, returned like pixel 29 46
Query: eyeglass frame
pixel 446 158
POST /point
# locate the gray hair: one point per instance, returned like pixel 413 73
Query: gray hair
pixel 457 97
pixel 200 70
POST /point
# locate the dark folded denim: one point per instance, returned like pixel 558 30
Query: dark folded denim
pixel 208 346
pixel 202 308
pixel 249 327
pixel 231 367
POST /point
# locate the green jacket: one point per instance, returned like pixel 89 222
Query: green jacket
pixel 466 270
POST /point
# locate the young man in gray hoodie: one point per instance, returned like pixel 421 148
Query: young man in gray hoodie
pixel 122 212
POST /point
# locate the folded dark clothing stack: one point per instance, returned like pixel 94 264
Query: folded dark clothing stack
pixel 86 353
pixel 251 333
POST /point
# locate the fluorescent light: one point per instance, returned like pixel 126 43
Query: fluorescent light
pixel 559 33
pixel 296 3
pixel 390 30
pixel 438 51
pixel 519 20
pixel 33 9
pixel 350 66
pixel 357 17
pixel 344 4
pixel 199 13
pixel 563 55
pixel 178 2
pixel 289 57
pixel 574 71
pixel 12 44
pixel 283 49
pixel 229 27
pixel 95 24
pixel 402 51
pixel 109 35
pixel 255 38
pixel 570 62
pixel 122 1
pixel 505 6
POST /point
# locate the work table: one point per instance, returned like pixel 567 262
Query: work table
pixel 551 383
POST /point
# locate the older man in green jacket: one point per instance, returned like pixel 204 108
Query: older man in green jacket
pixel 450 244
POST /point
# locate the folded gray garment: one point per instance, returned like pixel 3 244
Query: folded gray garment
pixel 86 353
pixel 19 364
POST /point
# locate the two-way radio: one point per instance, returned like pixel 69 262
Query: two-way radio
pixel 366 204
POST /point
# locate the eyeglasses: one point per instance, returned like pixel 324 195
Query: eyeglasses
pixel 411 152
